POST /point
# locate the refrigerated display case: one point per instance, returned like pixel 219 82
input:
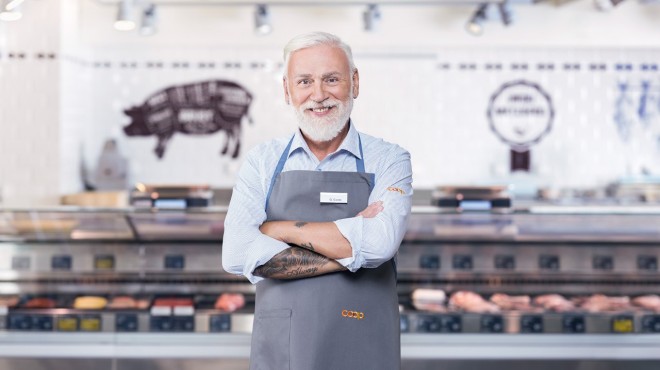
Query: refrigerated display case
pixel 49 258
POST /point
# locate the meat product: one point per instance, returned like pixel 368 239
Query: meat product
pixel 173 302
pixel 230 302
pixel 471 302
pixel 603 303
pixel 554 302
pixel 122 302
pixel 90 303
pixel 143 304
pixel 429 300
pixel 40 302
pixel 649 302
pixel 510 303
pixel 8 302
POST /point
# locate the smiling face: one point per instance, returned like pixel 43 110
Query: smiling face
pixel 320 86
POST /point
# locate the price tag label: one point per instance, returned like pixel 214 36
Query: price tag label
pixel 623 324
pixel 90 324
pixel 61 262
pixel 184 310
pixel 67 324
pixel 175 262
pixel 161 311
pixel 104 262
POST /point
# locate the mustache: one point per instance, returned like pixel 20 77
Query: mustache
pixel 325 104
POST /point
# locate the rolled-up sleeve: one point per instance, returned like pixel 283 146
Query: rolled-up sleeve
pixel 244 247
pixel 376 240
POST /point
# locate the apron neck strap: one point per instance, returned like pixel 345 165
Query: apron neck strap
pixel 359 164
pixel 278 169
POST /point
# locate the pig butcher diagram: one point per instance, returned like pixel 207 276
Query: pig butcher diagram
pixel 201 108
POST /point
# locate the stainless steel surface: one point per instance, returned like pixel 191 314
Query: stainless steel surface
pixel 414 346
pixel 574 268
pixel 430 225
pixel 242 364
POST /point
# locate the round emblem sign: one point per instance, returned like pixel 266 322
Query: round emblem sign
pixel 520 113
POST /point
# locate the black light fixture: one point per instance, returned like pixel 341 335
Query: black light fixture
pixel 124 21
pixel 605 5
pixel 148 26
pixel 475 25
pixel 10 10
pixel 506 14
pixel 262 20
pixel 371 17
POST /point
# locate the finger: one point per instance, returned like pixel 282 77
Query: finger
pixel 371 212
pixel 367 211
pixel 372 209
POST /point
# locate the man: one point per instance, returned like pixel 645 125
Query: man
pixel 316 219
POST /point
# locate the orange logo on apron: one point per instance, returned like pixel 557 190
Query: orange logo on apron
pixel 352 314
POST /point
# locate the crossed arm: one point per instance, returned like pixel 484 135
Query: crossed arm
pixel 314 247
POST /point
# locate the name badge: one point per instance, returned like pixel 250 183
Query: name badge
pixel 334 198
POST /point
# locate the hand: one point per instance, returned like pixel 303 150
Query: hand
pixel 372 210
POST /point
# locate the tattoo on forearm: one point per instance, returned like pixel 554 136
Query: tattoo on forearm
pixel 293 262
pixel 300 224
pixel 307 246
pixel 301 272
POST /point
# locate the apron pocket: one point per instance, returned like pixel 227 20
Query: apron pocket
pixel 271 340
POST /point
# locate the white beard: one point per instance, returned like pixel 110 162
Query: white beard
pixel 323 129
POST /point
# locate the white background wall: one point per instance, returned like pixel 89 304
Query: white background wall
pixel 30 107
pixel 406 95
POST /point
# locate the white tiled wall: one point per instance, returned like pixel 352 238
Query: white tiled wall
pixel 29 108
pixel 55 113
pixel 75 100
pixel 432 103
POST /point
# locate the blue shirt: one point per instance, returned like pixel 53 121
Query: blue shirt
pixel 373 240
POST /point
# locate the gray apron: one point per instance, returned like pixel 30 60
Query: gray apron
pixel 342 320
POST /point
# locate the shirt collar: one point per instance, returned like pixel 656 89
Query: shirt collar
pixel 350 144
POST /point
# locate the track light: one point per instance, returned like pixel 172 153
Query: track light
pixel 506 14
pixel 474 25
pixel 371 17
pixel 124 21
pixel 605 5
pixel 149 20
pixel 262 20
pixel 10 10
pixel 11 4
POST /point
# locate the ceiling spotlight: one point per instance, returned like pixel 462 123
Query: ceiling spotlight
pixel 10 10
pixel 371 17
pixel 262 20
pixel 605 5
pixel 124 21
pixel 148 25
pixel 474 25
pixel 506 14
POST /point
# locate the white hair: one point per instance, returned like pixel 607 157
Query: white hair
pixel 308 40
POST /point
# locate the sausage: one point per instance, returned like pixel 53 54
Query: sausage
pixel 230 302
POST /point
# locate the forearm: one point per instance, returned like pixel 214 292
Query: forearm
pixel 297 263
pixel 323 238
pixel 245 248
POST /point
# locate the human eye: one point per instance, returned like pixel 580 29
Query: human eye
pixel 332 80
pixel 304 82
